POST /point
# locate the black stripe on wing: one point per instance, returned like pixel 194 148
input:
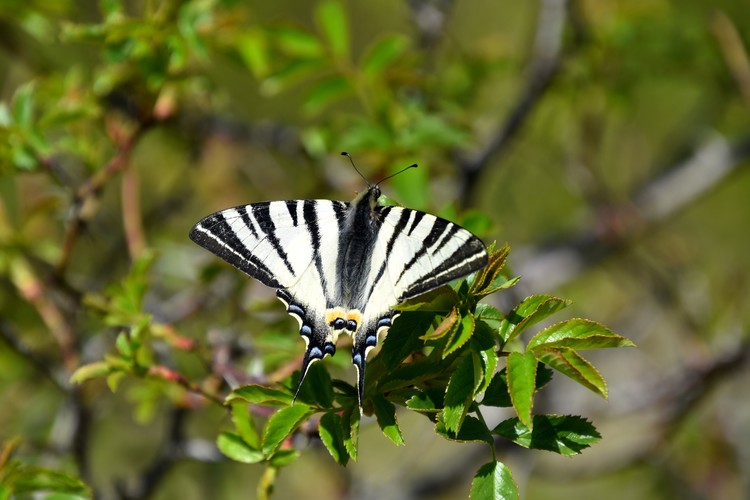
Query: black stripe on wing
pixel 215 234
pixel 262 214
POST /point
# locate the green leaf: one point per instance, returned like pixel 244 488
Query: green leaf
pixel 497 392
pixel 90 371
pixel 459 394
pixel 282 458
pixel 259 395
pixel 243 423
pixel 33 482
pixel 290 74
pixel 487 275
pixel 317 388
pixel 449 324
pixel 23 106
pixel 491 315
pixel 298 43
pixel 529 312
pixel 385 412
pixel 563 434
pixel 429 400
pixel 472 430
pixel 521 376
pixel 494 481
pixel 408 375
pixel 232 445
pixel 570 363
pixel 402 339
pixel 382 54
pixel 332 436
pixel 281 425
pixel 483 344
pixel 253 48
pixel 326 92
pixel 460 336
pixel 578 334
pixel 440 300
pixel 350 418
pixel 332 22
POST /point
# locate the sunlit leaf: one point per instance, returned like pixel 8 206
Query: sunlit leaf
pixel 232 445
pixel 494 481
pixel 521 377
pixel 332 436
pixel 281 425
pixel 385 412
pixel 578 334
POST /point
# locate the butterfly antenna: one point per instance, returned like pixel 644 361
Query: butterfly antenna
pixel 413 165
pixel 344 153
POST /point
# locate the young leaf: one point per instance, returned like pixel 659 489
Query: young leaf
pixel 440 300
pixel 244 424
pixel 459 394
pixel 259 395
pixel 282 458
pixel 232 445
pixel 281 425
pixel 382 53
pixel 460 336
pixel 298 43
pixel 578 334
pixel 449 325
pixel 385 412
pixel 493 481
pixel 332 435
pixel 485 277
pixel 521 375
pixel 350 418
pixel 570 363
pixel 530 311
pixel 331 20
pixel 489 314
pixel 472 430
pixel 90 371
pixel 563 434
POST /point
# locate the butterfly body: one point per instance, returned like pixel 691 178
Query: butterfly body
pixel 338 267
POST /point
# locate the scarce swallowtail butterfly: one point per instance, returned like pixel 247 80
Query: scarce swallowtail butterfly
pixel 340 267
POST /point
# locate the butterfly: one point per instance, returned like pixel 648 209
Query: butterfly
pixel 339 268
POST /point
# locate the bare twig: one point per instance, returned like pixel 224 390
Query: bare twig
pixel 550 266
pixel 734 52
pixel 545 61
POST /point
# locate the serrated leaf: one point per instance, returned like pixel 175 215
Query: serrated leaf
pixel 497 392
pixel 440 300
pixel 232 445
pixel 459 394
pixel 407 375
pixel 326 92
pixel 449 325
pixel 570 363
pixel 472 431
pixel 483 344
pixel 563 434
pixel 460 336
pixel 242 421
pixel 529 312
pixel 259 395
pixel 402 340
pixel 521 378
pixel 350 418
pixel 281 425
pixel 317 388
pixel 487 275
pixel 30 481
pixel 494 481
pixel 382 54
pixel 332 22
pixel 429 400
pixel 332 436
pixel 23 106
pixel 491 315
pixel 385 412
pixel 578 334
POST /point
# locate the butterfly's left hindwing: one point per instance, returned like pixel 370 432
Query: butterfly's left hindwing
pixel 341 267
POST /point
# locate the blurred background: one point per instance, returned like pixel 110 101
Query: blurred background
pixel 607 142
